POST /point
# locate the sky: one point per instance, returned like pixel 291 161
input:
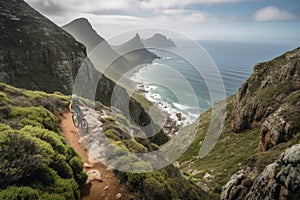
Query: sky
pixel 241 20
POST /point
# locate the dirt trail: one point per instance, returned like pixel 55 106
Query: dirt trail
pixel 109 188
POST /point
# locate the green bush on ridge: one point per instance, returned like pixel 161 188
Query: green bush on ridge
pixel 35 161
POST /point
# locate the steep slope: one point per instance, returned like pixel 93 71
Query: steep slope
pixel 36 54
pixel 265 90
pixel 54 170
pixel 269 99
pixel 82 30
pixel 265 113
pixel 36 162
pixel 158 41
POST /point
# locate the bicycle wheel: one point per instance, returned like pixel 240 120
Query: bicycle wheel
pixel 84 125
pixel 75 121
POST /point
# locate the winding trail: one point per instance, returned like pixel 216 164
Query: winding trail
pixel 110 187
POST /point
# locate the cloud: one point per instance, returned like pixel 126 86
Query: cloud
pixel 88 6
pixel 59 7
pixel 158 4
pixel 272 13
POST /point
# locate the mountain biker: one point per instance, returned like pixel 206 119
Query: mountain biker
pixel 75 105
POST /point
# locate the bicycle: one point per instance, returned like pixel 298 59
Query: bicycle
pixel 80 122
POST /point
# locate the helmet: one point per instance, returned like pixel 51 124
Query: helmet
pixel 74 96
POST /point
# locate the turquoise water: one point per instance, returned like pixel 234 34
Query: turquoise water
pixel 177 86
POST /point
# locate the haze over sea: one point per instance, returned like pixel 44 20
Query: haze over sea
pixel 234 60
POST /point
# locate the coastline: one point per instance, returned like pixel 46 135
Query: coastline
pixel 174 119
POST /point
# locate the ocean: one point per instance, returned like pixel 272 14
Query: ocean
pixel 184 80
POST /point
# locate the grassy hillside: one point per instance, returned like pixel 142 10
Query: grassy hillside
pixel 36 162
pixel 262 120
pixel 232 151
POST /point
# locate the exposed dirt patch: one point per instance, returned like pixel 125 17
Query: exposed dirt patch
pixel 109 187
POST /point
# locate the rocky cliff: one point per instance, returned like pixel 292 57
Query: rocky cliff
pixel 267 88
pixel 262 121
pixel 158 41
pixel 268 99
pixel 34 52
pixel 279 180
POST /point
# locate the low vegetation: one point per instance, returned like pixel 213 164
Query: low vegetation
pixel 36 162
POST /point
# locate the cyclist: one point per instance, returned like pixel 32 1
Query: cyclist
pixel 75 105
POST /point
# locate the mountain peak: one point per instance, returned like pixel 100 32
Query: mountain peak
pixel 132 44
pixel 83 31
pixel 158 40
pixel 137 35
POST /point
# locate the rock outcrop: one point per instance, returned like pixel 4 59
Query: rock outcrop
pixel 280 180
pixel 275 129
pixel 239 184
pixel 158 41
pixel 266 89
pixel 266 97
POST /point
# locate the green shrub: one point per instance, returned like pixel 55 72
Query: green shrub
pixel 108 119
pixel 81 178
pixel 70 153
pixel 3 98
pixel 43 177
pixel 67 188
pixel 154 189
pixel 116 150
pixel 52 197
pixel 38 114
pixel 4 127
pixel 136 181
pixel 19 193
pixel 76 164
pixel 141 166
pixel 111 134
pixel 48 136
pixel 135 147
pixel 28 122
pixel 61 166
pixel 20 157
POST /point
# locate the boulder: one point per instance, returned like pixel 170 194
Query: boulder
pixel 94 175
pixel 239 184
pixel 279 180
pixel 119 196
pixel 275 129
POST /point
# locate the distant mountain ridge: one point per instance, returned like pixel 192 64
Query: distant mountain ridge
pixel 158 41
pixel 135 51
pixel 110 60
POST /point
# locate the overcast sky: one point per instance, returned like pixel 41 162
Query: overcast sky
pixel 251 20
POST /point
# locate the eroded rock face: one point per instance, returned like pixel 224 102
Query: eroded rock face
pixel 265 91
pixel 275 130
pixel 239 184
pixel 279 180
